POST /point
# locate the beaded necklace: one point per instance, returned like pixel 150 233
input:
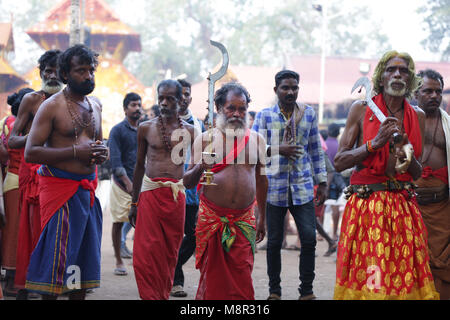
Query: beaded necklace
pixel 164 137
pixel 392 114
pixel 77 118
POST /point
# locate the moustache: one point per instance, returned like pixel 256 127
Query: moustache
pixel 52 83
pixel 397 82
pixel 232 119
pixel 434 102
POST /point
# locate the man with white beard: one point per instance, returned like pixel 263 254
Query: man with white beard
pixel 382 252
pixel 30 220
pixel 226 229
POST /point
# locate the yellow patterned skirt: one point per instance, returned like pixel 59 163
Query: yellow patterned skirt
pixel 382 251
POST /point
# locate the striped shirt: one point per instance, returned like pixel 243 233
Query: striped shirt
pixel 298 175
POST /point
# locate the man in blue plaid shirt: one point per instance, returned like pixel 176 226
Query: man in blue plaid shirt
pixel 296 164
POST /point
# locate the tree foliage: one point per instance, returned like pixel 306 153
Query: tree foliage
pixel 254 32
pixel 437 20
pixel 175 34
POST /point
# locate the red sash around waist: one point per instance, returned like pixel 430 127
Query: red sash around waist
pixel 55 192
pixel 441 174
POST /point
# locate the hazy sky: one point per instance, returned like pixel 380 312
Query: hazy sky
pixel 398 19
pixel 403 25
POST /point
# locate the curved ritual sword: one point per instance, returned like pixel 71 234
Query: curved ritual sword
pixel 365 82
pixel 212 79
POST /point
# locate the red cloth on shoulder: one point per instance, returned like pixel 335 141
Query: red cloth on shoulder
pixel 375 164
pixel 229 159
pixel 234 153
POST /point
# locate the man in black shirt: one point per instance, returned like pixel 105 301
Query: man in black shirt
pixel 123 150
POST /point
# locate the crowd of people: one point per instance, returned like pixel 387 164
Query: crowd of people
pixel 267 167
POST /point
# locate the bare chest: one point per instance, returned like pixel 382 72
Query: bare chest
pixel 83 126
pixel 234 150
pixel 434 135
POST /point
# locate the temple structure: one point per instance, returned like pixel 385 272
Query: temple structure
pixel 112 39
pixel 10 80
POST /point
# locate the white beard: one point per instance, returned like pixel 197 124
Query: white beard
pixel 222 123
pixel 393 92
pixel 51 89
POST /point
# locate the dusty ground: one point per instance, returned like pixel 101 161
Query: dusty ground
pixel 124 287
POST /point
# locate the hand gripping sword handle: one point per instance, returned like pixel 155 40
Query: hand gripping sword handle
pixel 365 82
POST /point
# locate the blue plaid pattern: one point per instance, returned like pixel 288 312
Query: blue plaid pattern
pixel 284 174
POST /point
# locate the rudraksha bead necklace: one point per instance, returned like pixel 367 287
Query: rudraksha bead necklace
pixel 165 138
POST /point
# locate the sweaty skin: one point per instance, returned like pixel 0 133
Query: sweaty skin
pixel 57 140
pixel 52 138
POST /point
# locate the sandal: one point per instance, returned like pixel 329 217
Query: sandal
pixel 332 249
pixel 178 292
pixel 120 271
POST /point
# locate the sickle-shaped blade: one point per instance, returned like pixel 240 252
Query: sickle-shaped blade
pixel 212 78
pixel 363 82
pixel 225 60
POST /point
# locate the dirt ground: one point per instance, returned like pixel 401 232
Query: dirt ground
pixel 124 287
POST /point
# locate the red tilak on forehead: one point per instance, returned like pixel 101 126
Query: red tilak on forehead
pixel 397 61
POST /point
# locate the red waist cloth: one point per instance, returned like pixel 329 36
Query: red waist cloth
pixel 382 252
pixel 15 159
pixel 55 192
pixel 375 163
pixel 441 174
pixel 29 181
pixel 157 239
pixel 223 275
pixel 30 219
